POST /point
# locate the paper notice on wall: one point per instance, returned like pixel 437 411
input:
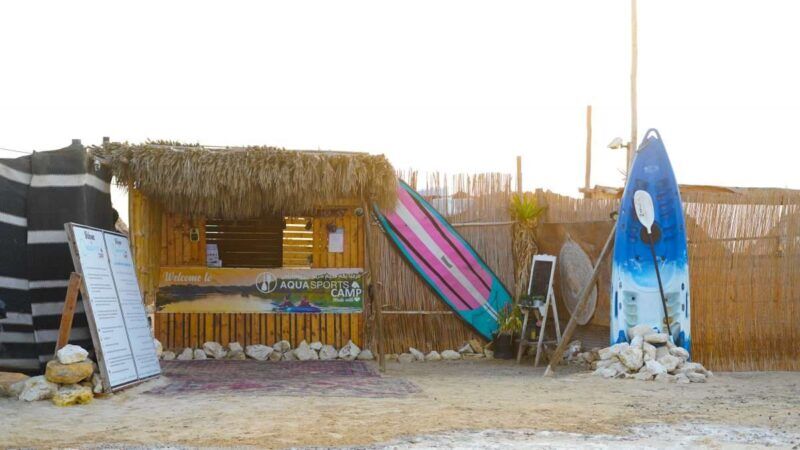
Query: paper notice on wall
pixel 212 256
pixel 336 241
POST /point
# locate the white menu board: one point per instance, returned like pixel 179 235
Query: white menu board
pixel 114 307
pixel 130 299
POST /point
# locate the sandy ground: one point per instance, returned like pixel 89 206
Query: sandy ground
pixel 463 404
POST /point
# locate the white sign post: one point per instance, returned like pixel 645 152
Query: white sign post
pixel 114 309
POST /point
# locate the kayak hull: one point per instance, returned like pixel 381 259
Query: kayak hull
pixel 635 295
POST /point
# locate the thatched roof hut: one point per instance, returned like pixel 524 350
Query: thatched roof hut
pixel 248 182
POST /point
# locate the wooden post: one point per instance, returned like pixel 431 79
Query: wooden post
pixel 634 68
pixel 519 175
pixel 70 302
pixel 588 176
pixel 572 324
pixel 376 288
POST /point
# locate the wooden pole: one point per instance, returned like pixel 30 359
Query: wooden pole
pixel 376 288
pixel 519 175
pixel 68 312
pixel 572 324
pixel 634 68
pixel 588 176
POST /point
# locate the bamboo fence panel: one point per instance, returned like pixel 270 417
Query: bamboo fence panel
pixel 745 288
pixel 413 316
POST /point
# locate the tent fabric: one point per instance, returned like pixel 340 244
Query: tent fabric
pixel 38 194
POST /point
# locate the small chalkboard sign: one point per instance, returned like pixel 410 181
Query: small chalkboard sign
pixel 123 341
pixel 540 285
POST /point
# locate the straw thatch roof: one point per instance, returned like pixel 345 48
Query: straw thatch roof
pixel 239 183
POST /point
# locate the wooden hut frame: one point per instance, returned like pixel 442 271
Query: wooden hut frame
pixel 174 189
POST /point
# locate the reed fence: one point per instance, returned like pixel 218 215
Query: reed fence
pixel 477 206
pixel 744 252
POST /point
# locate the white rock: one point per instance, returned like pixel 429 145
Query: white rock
pixel 418 355
pixel 316 346
pixel 665 377
pixel 349 352
pixel 466 348
pixel 37 388
pixel 657 338
pixel 607 372
pixel 406 358
pixel 681 378
pixel 288 356
pixel 215 350
pixel 631 357
pixel 159 347
pixel 303 352
pixel 365 355
pixel 168 356
pixel 604 363
pixel 614 350
pixel 200 354
pixel 637 341
pixel 661 351
pixel 69 354
pixel 258 352
pixel 488 353
pixel 97 384
pixel 650 351
pixel 328 352
pixel 655 367
pixel 644 375
pixel 679 352
pixel 435 356
pixel 687 367
pixel 639 330
pixel 451 355
pixel 235 347
pixel 275 356
pixel 696 377
pixel 186 355
pixel 670 362
pixel 282 346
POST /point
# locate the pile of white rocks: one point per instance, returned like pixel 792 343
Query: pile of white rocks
pixel 648 356
pixel 280 351
pixel 473 349
pixel 69 379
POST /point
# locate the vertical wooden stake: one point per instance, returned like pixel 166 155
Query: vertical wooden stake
pixel 70 302
pixel 588 176
pixel 634 68
pixel 376 297
pixel 519 175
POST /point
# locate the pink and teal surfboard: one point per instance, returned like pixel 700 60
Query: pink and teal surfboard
pixel 445 261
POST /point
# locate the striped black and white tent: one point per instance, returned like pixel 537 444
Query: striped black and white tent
pixel 38 194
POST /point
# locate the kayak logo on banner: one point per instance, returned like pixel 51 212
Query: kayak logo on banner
pixel 266 282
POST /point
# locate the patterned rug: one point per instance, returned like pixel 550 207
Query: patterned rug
pixel 284 378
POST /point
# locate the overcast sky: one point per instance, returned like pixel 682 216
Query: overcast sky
pixel 447 85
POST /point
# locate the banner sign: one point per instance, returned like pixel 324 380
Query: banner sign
pixel 114 308
pixel 241 290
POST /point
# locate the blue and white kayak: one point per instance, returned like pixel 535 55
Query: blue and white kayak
pixel 635 296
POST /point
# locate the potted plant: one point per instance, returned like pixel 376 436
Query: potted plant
pixel 510 324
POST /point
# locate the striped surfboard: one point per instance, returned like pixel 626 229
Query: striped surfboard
pixel 447 263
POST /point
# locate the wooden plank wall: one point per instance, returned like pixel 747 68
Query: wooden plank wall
pixel 247 243
pixel 145 235
pixel 353 225
pixel 177 248
pixel 174 247
pixel 180 330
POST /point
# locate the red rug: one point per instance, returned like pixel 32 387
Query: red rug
pixel 284 378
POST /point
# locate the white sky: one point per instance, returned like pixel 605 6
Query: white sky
pixel 449 85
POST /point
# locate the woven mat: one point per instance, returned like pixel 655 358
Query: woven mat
pixel 284 378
